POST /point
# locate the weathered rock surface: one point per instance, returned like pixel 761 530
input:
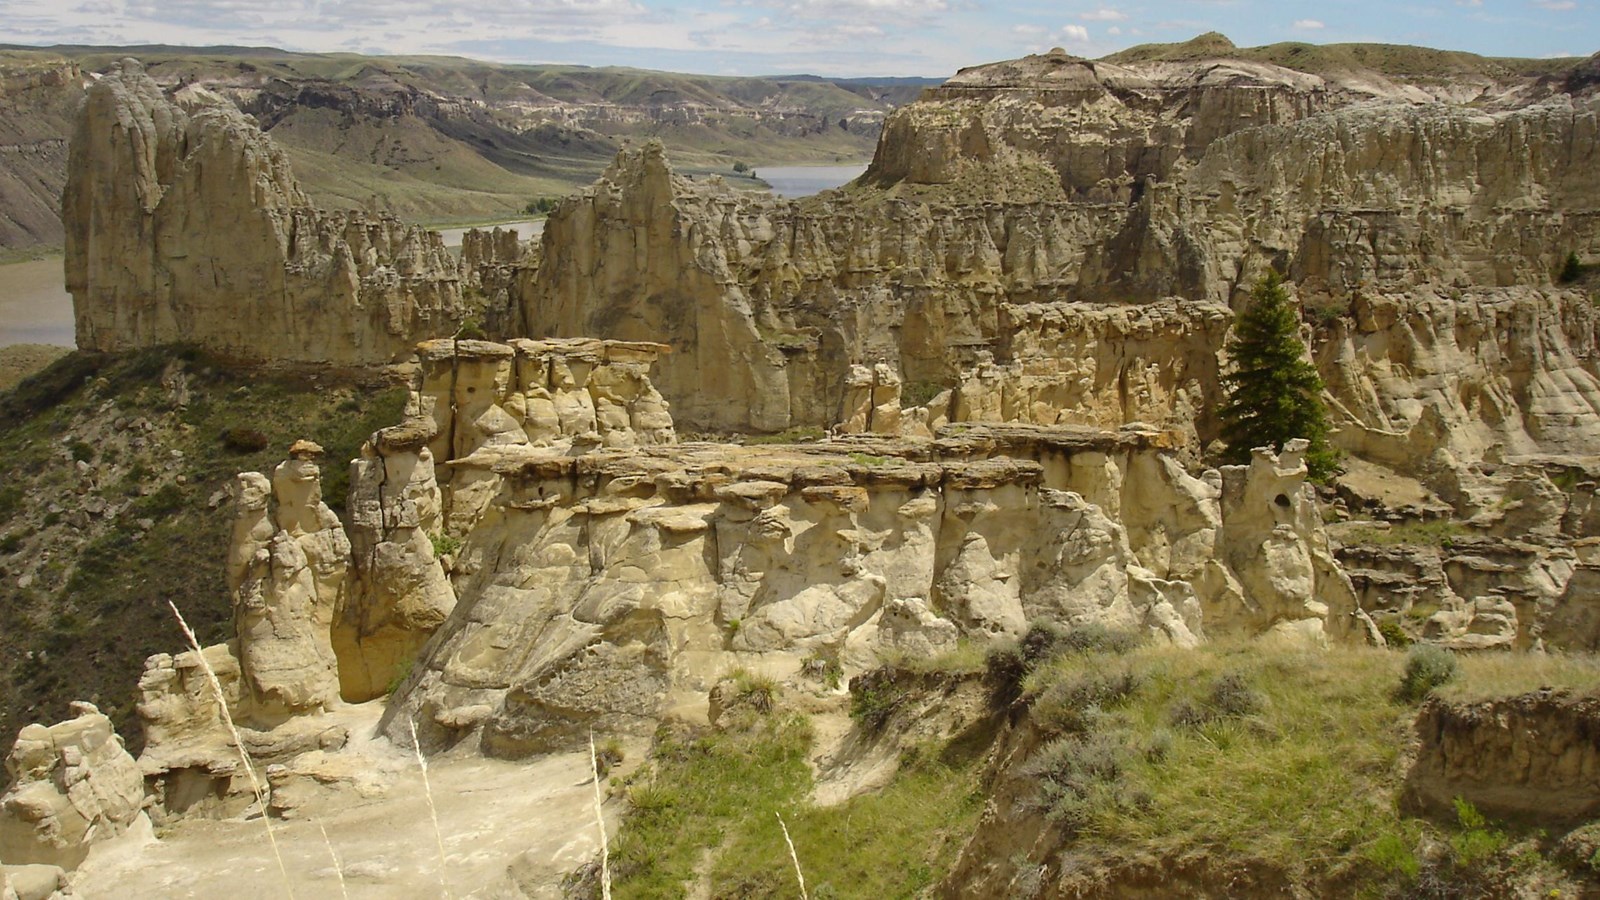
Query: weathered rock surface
pixel 1534 758
pixel 287 566
pixel 400 592
pixel 188 226
pixel 71 784
pixel 610 589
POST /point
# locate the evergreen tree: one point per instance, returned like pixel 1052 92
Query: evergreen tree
pixel 1571 270
pixel 1274 393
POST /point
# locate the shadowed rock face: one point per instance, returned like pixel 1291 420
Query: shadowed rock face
pixel 189 226
pixel 1534 758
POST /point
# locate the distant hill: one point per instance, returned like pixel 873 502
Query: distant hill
pixel 434 138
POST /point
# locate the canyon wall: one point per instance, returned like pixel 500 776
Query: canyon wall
pixel 1060 241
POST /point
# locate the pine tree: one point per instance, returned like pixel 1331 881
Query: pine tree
pixel 1274 393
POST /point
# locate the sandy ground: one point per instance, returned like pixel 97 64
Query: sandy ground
pixel 35 307
pixel 537 815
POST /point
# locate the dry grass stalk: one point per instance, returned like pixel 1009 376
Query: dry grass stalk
pixel 799 875
pixel 238 743
pixel 433 811
pixel 338 868
pixel 600 821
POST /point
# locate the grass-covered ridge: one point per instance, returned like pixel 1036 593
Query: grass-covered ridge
pixel 109 466
pixel 1288 759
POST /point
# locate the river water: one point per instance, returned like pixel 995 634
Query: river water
pixel 35 307
pixel 803 181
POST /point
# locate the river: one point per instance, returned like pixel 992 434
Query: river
pixel 35 307
pixel 803 181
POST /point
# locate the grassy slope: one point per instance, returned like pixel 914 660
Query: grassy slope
pixel 95 607
pixel 1395 60
pixel 1295 763
pixel 705 813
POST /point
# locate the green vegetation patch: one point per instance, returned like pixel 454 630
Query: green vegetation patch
pixel 705 813
pixel 1289 758
pixel 97 607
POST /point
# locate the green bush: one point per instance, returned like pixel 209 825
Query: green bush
pixel 1394 635
pixel 245 440
pixel 1427 666
pixel 1080 776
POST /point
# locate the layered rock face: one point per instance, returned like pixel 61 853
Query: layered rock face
pixel 71 784
pixel 1059 241
pixel 188 226
pixel 1532 757
pixel 606 590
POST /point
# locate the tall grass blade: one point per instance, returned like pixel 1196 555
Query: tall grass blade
pixel 600 821
pixel 238 743
pixel 799 875
pixel 433 811
pixel 338 867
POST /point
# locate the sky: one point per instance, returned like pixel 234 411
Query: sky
pixel 837 38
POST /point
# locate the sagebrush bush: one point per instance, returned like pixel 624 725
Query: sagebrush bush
pixel 1230 697
pixel 1081 775
pixel 1427 666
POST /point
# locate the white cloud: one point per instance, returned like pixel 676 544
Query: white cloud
pixel 1075 33
pixel 1471 4
pixel 1308 25
pixel 1028 30
pixel 1557 5
pixel 1103 15
pixel 1113 30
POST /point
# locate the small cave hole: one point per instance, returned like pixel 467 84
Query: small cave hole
pixel 1282 500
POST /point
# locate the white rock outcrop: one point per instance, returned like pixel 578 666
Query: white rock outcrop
pixel 71 784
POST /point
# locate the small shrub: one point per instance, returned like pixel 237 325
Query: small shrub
pixel 1073 705
pixel 874 697
pixel 919 393
pixel 444 544
pixel 1477 840
pixel 1230 697
pixel 245 440
pixel 81 451
pixel 825 667
pixel 753 692
pixel 1097 638
pixel 608 756
pixel 11 543
pixel 1427 666
pixel 1081 775
pixel 1390 854
pixel 1394 635
pixel 1323 311
pixel 540 206
pixel 741 167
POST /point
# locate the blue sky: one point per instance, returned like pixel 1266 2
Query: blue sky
pixel 828 37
